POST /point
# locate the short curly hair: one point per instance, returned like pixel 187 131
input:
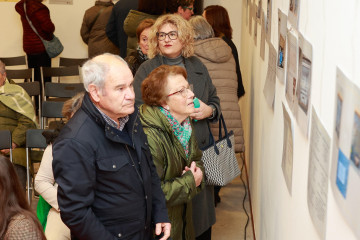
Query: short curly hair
pixel 185 35
pixel 153 88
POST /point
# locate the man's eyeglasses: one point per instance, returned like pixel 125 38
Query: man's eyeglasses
pixel 173 35
pixel 190 8
pixel 183 91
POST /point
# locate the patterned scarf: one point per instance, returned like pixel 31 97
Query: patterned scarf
pixel 182 131
pixel 142 56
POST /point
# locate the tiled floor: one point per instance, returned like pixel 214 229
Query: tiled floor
pixel 230 216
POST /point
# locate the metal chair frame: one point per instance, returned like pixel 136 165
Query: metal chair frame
pixel 34 139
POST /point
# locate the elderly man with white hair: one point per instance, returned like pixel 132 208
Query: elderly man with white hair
pixel 108 184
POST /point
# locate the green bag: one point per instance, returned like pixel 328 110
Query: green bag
pixel 42 211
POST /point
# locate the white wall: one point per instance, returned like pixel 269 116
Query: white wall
pixel 333 29
pixel 67 20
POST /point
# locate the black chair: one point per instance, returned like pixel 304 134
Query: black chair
pixel 67 62
pixel 72 71
pixel 33 89
pixel 24 74
pixel 14 61
pixel 51 109
pixel 6 141
pixel 34 139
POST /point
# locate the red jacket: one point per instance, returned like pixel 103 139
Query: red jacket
pixel 39 15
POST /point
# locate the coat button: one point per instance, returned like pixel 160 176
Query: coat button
pixel 135 130
pixel 145 196
pixel 119 235
pixel 114 166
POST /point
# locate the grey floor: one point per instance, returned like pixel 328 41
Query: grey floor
pixel 230 215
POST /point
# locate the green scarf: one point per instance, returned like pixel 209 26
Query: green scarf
pixel 15 97
pixel 182 131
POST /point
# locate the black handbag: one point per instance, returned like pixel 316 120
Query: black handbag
pixel 219 158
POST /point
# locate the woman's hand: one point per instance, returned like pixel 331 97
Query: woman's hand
pixel 204 111
pixel 7 151
pixel 196 171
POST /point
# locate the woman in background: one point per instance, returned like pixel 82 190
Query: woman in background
pixel 166 122
pixel 135 59
pixel 146 9
pixel 45 183
pixel 218 18
pixel 93 29
pixel 17 221
pixel 39 15
pixel 171 42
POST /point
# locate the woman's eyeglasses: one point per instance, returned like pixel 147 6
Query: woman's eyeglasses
pixel 173 35
pixel 190 8
pixel 183 91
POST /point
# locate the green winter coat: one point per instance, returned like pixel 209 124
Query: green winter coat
pixel 132 21
pixel 170 160
pixel 17 115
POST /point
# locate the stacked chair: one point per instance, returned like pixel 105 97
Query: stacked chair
pixel 50 97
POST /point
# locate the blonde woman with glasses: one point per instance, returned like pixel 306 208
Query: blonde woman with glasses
pixel 171 42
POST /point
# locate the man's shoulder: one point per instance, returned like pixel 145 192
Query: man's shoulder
pixel 80 128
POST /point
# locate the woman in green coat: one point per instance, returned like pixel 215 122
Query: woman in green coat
pixel 166 122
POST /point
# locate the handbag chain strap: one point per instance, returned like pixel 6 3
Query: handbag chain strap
pixel 31 25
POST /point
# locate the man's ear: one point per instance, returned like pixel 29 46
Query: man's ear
pixel 94 92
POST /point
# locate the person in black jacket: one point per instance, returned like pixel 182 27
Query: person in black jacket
pixel 108 184
pixel 115 26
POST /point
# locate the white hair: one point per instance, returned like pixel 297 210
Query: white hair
pixel 202 29
pixel 95 71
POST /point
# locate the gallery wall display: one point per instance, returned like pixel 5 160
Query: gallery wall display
pixel 317 187
pixel 345 168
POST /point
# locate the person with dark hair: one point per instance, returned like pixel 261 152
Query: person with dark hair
pixel 218 18
pixel 171 42
pixel 108 187
pixel 17 114
pixel 184 8
pixel 165 118
pixel 135 59
pixel 115 26
pixel 93 29
pixel 17 221
pixel 39 15
pixel 45 183
pixel 146 9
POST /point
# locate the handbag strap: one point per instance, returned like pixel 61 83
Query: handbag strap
pixel 211 136
pixel 97 16
pixel 31 25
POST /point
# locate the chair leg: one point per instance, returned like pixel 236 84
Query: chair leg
pixel 28 175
